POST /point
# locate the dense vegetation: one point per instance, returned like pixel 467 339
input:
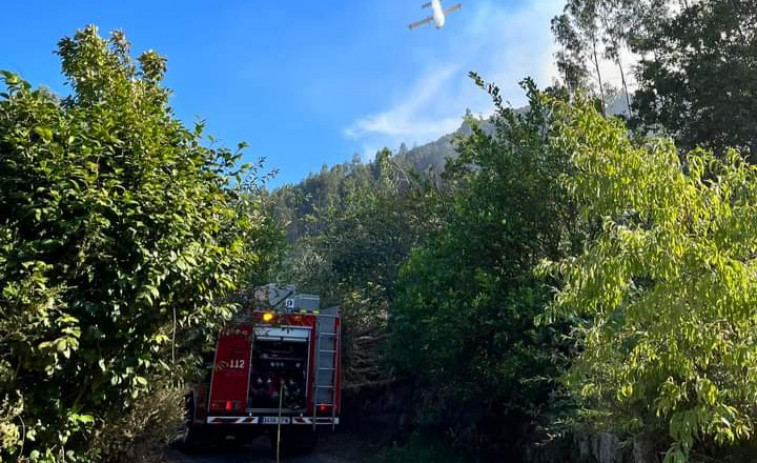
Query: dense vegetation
pixel 695 70
pixel 666 288
pixel 119 231
pixel 463 319
pixel 643 238
pixel 564 270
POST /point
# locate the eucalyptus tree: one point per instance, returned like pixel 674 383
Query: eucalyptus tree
pixel 696 76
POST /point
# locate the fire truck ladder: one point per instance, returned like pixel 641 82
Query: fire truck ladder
pixel 327 354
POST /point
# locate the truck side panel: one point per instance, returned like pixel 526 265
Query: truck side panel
pixel 231 371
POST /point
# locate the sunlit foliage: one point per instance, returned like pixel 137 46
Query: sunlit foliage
pixel 118 230
pixel 668 288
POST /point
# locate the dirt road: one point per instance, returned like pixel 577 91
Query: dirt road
pixel 332 448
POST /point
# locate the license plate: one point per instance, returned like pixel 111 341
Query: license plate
pixel 275 420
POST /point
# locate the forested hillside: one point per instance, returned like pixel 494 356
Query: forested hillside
pixel 553 272
pixel 298 207
pixel 562 272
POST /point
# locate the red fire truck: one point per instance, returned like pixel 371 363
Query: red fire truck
pixel 275 367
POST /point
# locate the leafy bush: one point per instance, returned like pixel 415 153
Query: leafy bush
pixel 667 288
pixel 463 319
pixel 119 231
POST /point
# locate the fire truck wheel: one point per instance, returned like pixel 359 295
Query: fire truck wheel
pixel 192 439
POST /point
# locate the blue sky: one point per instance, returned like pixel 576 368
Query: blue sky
pixel 306 83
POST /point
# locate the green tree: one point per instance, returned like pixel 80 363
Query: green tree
pixel 462 324
pixel 666 289
pixel 366 232
pixel 696 78
pixel 590 31
pixel 118 231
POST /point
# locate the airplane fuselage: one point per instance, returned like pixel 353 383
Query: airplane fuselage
pixel 436 6
pixel 438 14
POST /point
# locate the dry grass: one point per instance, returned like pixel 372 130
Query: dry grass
pixel 144 433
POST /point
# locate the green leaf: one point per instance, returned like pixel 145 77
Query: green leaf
pixel 10 78
pixel 45 133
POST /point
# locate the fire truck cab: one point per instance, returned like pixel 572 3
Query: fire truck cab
pixel 274 366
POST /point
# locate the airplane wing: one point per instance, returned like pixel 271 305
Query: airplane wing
pixel 453 8
pixel 426 5
pixel 421 22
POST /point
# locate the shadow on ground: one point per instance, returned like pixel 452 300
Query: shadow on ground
pixel 332 447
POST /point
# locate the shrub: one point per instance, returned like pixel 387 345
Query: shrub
pixel 667 288
pixel 154 421
pixel 462 323
pixel 119 231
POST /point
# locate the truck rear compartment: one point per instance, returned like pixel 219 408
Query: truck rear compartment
pixel 274 371
pixel 275 363
pixel 281 369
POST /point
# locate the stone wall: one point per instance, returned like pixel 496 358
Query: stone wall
pixel 592 448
